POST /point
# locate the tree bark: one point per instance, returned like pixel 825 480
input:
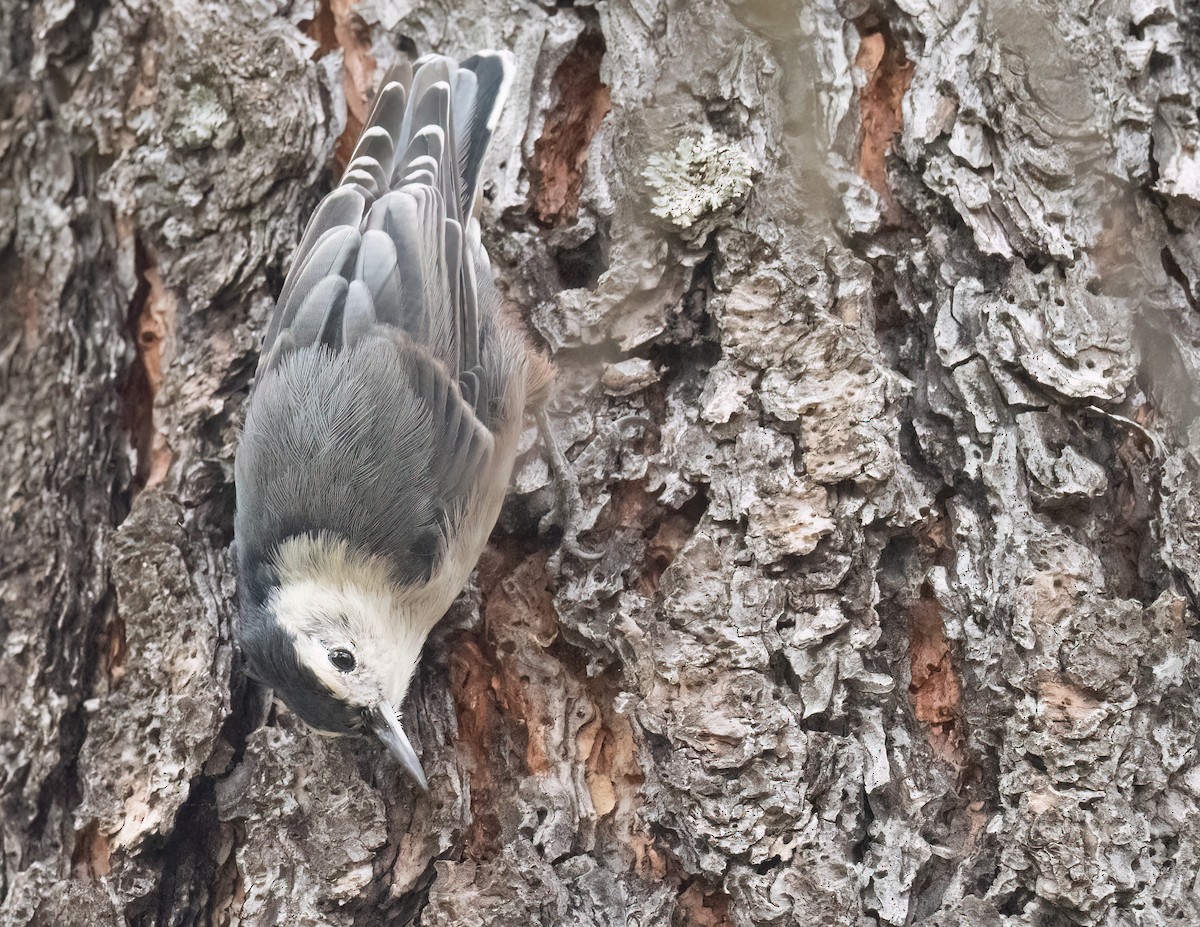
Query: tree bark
pixel 878 334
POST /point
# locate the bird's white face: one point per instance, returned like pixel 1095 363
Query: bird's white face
pixel 348 625
pixel 335 634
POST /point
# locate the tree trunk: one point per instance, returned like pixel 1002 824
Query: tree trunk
pixel 879 339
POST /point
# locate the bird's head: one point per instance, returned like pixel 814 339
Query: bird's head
pixel 334 650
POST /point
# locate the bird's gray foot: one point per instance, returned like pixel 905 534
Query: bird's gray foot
pixel 568 508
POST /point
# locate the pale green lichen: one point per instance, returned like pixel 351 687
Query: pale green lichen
pixel 201 122
pixel 699 177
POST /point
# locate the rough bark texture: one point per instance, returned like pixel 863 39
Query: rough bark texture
pixel 879 340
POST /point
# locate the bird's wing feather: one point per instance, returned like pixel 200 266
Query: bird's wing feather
pixel 386 291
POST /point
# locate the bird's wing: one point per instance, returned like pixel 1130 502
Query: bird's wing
pixel 401 223
pixel 393 256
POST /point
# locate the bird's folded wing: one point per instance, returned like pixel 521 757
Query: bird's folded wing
pixel 393 253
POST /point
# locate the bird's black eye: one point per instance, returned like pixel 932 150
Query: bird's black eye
pixel 342 660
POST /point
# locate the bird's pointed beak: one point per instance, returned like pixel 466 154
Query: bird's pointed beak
pixel 387 728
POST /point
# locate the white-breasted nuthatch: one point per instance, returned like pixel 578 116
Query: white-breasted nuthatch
pixel 383 426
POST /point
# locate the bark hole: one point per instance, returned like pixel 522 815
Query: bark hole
pixel 336 26
pixel 889 73
pixel 560 155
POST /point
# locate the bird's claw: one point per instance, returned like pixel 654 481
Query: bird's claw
pixel 568 507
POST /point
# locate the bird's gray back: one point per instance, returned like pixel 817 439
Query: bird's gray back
pixel 342 442
pixel 383 371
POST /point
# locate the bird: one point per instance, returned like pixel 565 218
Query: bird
pixel 383 423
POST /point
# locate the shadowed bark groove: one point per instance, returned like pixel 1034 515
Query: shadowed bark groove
pixel 878 347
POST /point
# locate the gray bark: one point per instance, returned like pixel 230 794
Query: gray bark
pixel 879 339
